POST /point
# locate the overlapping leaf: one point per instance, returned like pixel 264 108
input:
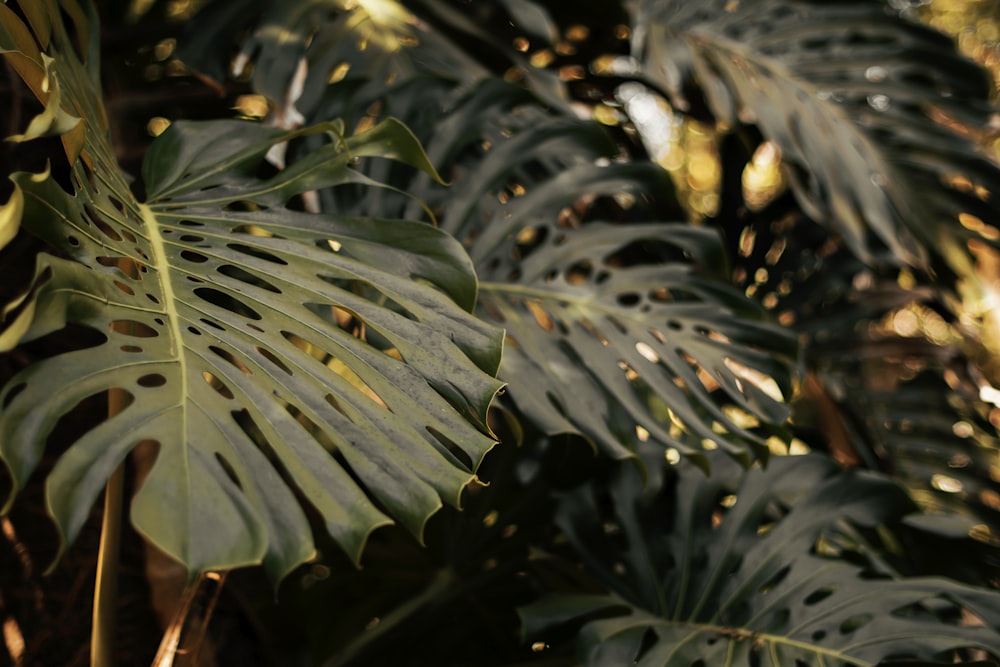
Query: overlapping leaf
pixel 904 404
pixel 612 321
pixel 276 358
pixel 748 568
pixel 871 112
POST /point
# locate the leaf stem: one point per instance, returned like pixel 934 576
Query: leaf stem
pixel 105 617
pixel 442 581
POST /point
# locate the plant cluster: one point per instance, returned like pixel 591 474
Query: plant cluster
pixel 436 350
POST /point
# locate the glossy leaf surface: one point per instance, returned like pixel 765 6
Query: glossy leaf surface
pixel 277 358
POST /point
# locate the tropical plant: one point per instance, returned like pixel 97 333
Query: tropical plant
pixel 430 318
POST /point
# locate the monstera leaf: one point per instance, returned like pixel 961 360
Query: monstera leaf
pixel 757 567
pixel 278 359
pixel 877 146
pixel 614 319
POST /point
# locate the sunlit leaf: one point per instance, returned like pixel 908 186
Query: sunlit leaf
pixel 277 359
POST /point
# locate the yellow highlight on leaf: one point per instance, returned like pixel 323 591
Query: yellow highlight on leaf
pixel 10 217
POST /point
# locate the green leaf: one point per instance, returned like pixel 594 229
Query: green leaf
pixel 610 323
pixel 871 144
pixel 749 566
pixel 278 359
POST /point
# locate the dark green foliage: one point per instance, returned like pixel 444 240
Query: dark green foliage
pixel 306 317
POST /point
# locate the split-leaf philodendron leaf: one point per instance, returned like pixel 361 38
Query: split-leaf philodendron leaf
pixel 611 323
pixel 276 358
pixel 873 146
pixel 752 567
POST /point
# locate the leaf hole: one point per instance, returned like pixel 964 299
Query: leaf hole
pixel 855 622
pixel 73 241
pixel 231 358
pixel 129 236
pixel 130 268
pixel 270 356
pixel 335 404
pixel 152 297
pixel 628 299
pixel 124 288
pixel 192 256
pixel 212 324
pixel 256 252
pixel 247 277
pixel 775 579
pixel 217 384
pixel 133 328
pixel 192 238
pixel 542 318
pixel 227 302
pixel 151 380
pixel 130 348
pixel 580 272
pixel 100 223
pixel 228 469
pixel 819 595
pixel 192 223
pixel 528 239
pixel 819 635
pixel 194 331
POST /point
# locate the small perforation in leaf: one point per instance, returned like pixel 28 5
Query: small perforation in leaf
pixel 192 223
pixel 228 356
pixel 153 298
pixel 127 267
pixel 256 252
pixel 129 236
pixel 854 622
pixel 528 239
pixel 192 256
pixel 223 300
pixel 133 328
pixel 151 380
pixel 335 404
pixel 214 325
pixel 73 241
pixel 311 427
pixel 267 354
pixel 542 318
pixel 130 348
pixel 124 288
pixel 628 299
pixel 819 595
pixel 192 238
pixel 217 384
pixel 194 330
pixel 247 277
pixel 775 579
pixel 103 226
pixel 228 469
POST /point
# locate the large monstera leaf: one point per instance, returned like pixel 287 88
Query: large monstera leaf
pixel 761 567
pixel 614 319
pixel 278 359
pixel 872 113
